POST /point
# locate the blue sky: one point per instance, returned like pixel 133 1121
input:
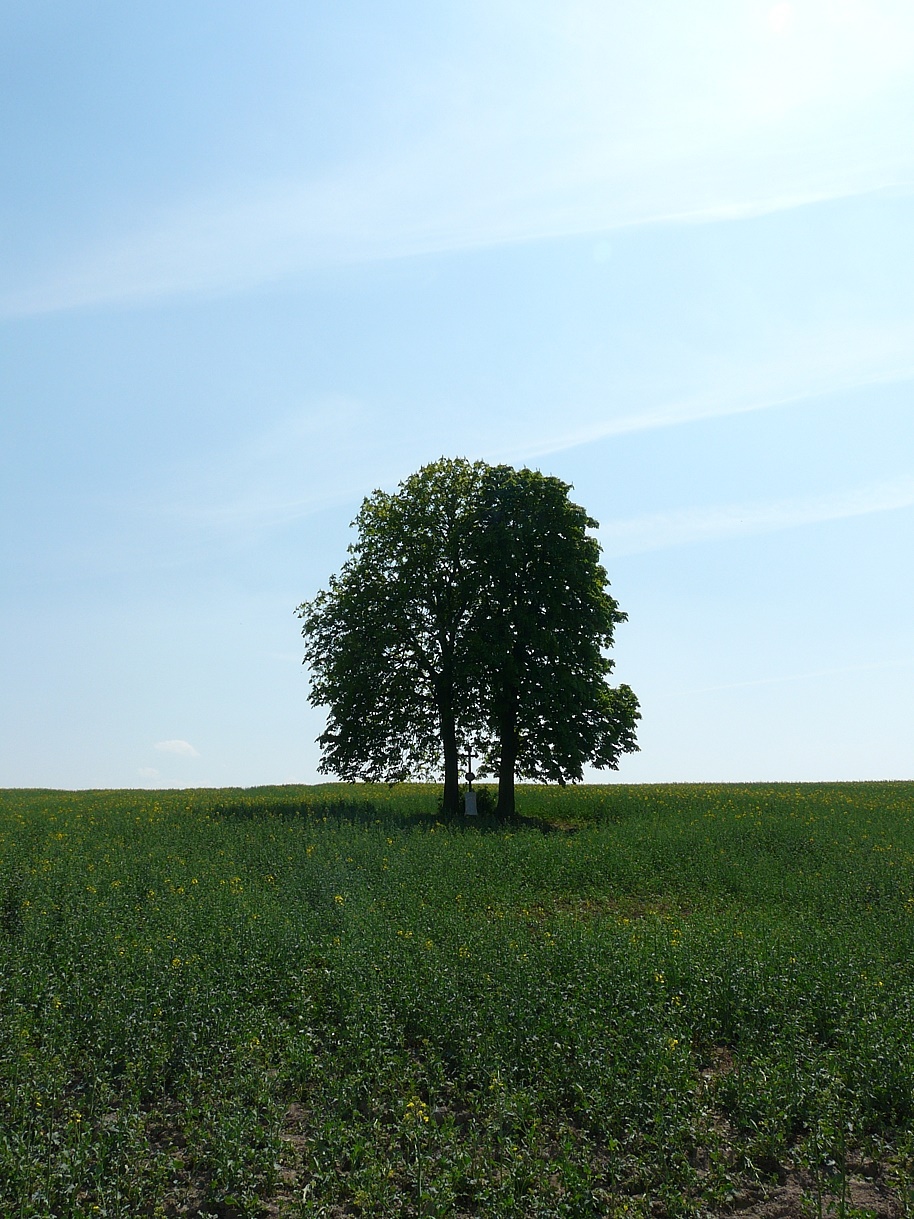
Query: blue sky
pixel 257 260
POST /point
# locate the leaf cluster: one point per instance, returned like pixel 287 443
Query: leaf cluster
pixel 546 620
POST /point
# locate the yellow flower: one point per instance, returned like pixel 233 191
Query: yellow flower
pixel 339 899
pixel 416 1111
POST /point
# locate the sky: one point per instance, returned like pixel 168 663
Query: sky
pixel 257 260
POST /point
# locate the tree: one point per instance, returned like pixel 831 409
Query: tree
pixel 387 641
pixel 472 611
pixel 545 623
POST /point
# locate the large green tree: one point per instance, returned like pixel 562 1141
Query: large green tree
pixel 472 612
pixel 545 622
pixel 387 641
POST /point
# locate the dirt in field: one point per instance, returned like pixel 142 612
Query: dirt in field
pixel 796 1197
pixel 790 1193
pixel 296 1142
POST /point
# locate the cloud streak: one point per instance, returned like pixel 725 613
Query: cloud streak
pixel 790 677
pixel 599 125
pixel 658 531
pixel 840 360
pixel 218 247
pixel 257 483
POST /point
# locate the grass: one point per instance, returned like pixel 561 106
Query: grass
pixel 322 1001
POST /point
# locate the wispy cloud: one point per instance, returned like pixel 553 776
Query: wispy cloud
pixel 339 447
pixel 258 482
pixel 660 530
pixel 810 367
pixel 184 749
pixel 556 120
pixel 220 246
pixel 148 772
pixel 810 675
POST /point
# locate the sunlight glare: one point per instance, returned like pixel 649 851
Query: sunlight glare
pixel 780 18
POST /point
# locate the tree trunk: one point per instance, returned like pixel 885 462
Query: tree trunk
pixel 508 759
pixel 451 803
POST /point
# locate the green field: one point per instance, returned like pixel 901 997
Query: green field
pixel 322 1001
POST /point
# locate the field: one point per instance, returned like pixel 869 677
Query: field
pixel 630 1001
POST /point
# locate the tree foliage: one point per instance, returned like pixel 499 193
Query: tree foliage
pixel 387 641
pixel 472 612
pixel 546 619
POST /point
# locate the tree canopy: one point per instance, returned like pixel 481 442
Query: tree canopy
pixel 472 613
